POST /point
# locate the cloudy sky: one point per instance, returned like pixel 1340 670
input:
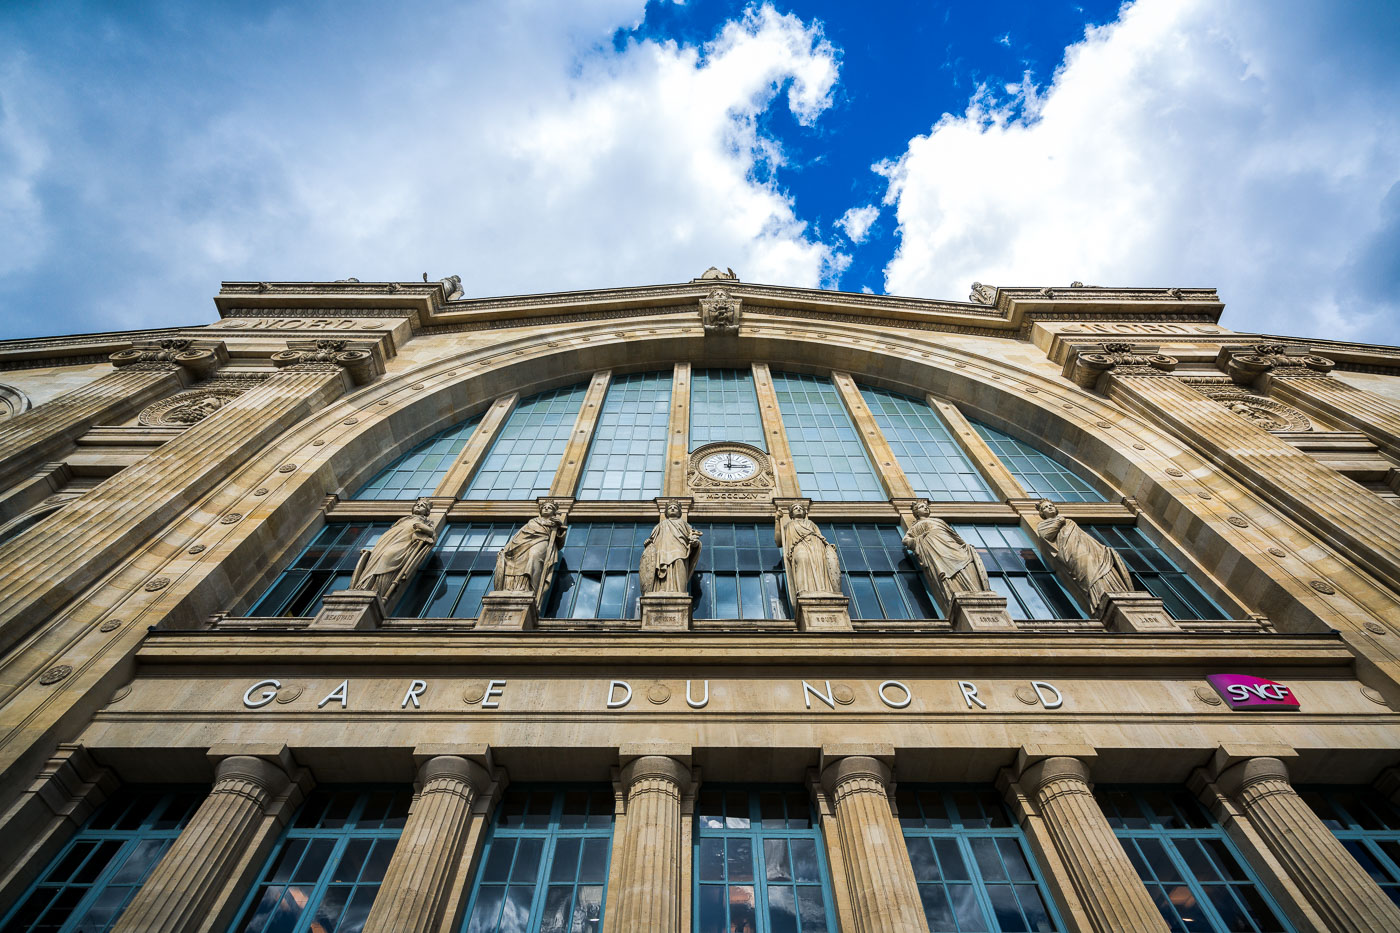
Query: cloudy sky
pixel 149 151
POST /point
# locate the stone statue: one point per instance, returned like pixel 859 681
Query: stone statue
pixel 526 564
pixel 668 557
pixel 808 558
pixel 451 287
pixel 386 566
pixel 1095 568
pixel 944 555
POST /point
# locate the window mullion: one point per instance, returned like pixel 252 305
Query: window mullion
pixel 571 464
pixel 678 432
pixel 454 481
pixel 1003 483
pixel 779 451
pixel 877 448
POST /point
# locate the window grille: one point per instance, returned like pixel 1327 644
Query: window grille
pixel 418 472
pixel 739 574
pixel 931 459
pixel 526 454
pixel 877 573
pixel 598 575
pixel 724 407
pixel 1367 825
pixel 827 454
pixel 1015 570
pixel 457 573
pixel 1040 475
pixel 1155 573
pixel 327 564
pixel 627 459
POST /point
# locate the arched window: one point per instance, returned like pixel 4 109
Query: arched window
pixel 526 455
pixel 827 453
pixel 1041 476
pixel 931 459
pixel 418 472
pixel 724 407
pixel 627 459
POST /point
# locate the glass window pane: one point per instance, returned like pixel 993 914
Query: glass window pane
pixel 934 463
pixel 418 472
pixel 829 458
pixel 1041 476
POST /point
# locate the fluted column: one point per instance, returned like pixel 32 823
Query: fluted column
pixel 414 891
pixel 1376 416
pixel 182 888
pixel 650 877
pixel 879 879
pixel 1333 882
pixel 1112 894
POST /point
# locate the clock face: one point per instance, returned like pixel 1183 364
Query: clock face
pixel 730 466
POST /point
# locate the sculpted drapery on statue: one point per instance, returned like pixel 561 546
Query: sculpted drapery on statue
pixel 808 558
pixel 386 566
pixel 1095 568
pixel 526 564
pixel 668 557
pixel 944 555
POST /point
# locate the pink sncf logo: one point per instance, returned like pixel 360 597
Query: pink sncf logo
pixel 1243 691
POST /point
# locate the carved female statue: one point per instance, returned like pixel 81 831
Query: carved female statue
pixel 1095 568
pixel 526 564
pixel 808 558
pixel 944 555
pixel 384 567
pixel 668 557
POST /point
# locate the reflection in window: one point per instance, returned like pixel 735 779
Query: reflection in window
pixel 1041 476
pixel 545 864
pixel 457 573
pixel 418 472
pixel 739 574
pixel 327 564
pixel 1015 570
pixel 598 576
pixel 826 452
pixel 935 465
pixel 724 407
pixel 1153 572
pixel 1192 871
pixel 971 862
pixel 878 574
pixel 627 459
pixel 325 872
pixel 1367 825
pixel 759 864
pixel 92 879
pixel 526 455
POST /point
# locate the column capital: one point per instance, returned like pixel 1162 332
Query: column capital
pixel 841 772
pixel 200 358
pixel 1240 776
pixel 654 768
pixel 1036 775
pixel 1087 366
pixel 1252 366
pixel 363 362
pixel 454 768
pixel 263 774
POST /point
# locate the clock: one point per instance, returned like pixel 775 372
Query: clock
pixel 729 466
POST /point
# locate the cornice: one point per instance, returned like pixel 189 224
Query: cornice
pixel 78 349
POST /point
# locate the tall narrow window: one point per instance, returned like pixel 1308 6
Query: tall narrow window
pixel 827 453
pixel 1192 871
pixel 526 455
pixel 627 459
pixel 1367 825
pixel 724 407
pixel 739 574
pixel 326 870
pixel 457 573
pixel 971 862
pixel 1153 572
pixel 1041 476
pixel 598 575
pixel 1015 570
pixel 878 573
pixel 418 472
pixel 933 462
pixel 545 865
pixel 759 863
pixel 92 879
pixel 327 564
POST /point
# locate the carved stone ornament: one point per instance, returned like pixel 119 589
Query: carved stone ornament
pixel 157 583
pixel 719 312
pixel 1088 365
pixel 186 408
pixel 706 488
pixel 1246 366
pixel 360 362
pixel 1264 412
pixel 982 294
pixel 171 354
pixel 713 273
pixel 54 674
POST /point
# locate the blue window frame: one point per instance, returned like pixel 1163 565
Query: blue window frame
pixel 545 864
pixel 739 574
pixel 759 863
pixel 627 459
pixel 724 407
pixel 325 872
pixel 1367 825
pixel 327 564
pixel 827 454
pixel 418 472
pixel 598 575
pixel 973 867
pixel 92 879
pixel 1015 570
pixel 931 459
pixel 878 574
pixel 1041 476
pixel 457 573
pixel 1191 869
pixel 525 456
pixel 1154 572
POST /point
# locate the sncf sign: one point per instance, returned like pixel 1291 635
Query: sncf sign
pixel 1242 691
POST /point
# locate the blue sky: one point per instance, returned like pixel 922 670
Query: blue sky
pixel 149 151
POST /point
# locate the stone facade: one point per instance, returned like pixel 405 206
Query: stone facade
pixel 160 481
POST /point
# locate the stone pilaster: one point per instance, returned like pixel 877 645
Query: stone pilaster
pixel 649 878
pixel 876 445
pixel 415 888
pixel 454 482
pixel 779 452
pixel 1331 880
pixel 576 452
pixel 1374 415
pixel 880 880
pixel 1104 880
pixel 184 886
pixel 678 433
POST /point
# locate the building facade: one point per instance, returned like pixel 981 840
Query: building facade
pixel 706 607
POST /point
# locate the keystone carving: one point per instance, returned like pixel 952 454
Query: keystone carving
pixel 719 312
pixel 171 355
pixel 1251 367
pixel 1088 365
pixel 358 360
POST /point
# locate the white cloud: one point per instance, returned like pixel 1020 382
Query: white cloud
pixel 856 222
pixel 1248 146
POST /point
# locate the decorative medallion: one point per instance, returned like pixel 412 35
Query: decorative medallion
pixel 1262 411
pixel 1207 696
pixel 195 549
pixel 1237 521
pixel 730 471
pixel 1032 390
pixel 473 693
pixel 122 693
pixel 1324 588
pixel 1278 552
pixel 1374 696
pixel 1026 695
pixel 351 421
pixel 286 468
pixel 1103 424
pixel 111 625
pixel 418 386
pixel 317 443
pixel 54 674
pixel 658 694
pixel 260 491
pixel 231 518
pixel 289 692
pixel 1375 628
pixel 1205 495
pixel 1173 471
pixel 157 583
pixel 1140 446
pixel 843 694
pixel 186 408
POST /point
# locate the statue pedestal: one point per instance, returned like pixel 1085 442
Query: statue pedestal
pixel 665 612
pixel 984 611
pixel 1135 612
pixel 349 611
pixel 825 612
pixel 507 611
